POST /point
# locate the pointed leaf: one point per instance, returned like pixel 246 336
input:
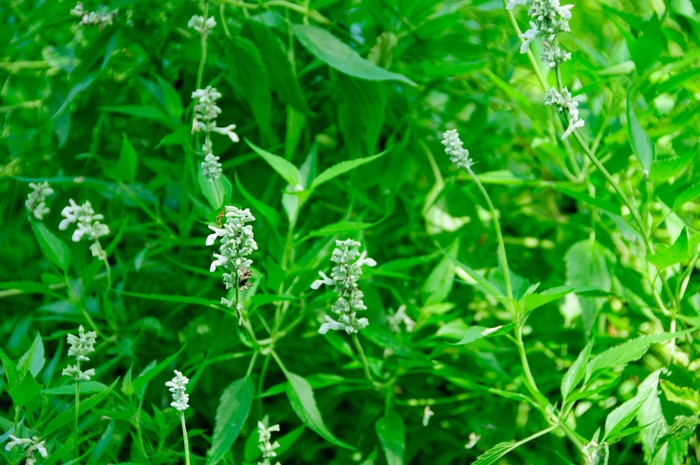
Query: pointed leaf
pixel 479 332
pixel 283 167
pixel 148 375
pixel 127 163
pixel 576 371
pixel 54 248
pixel 301 396
pixel 532 301
pixel 335 53
pixel 663 170
pixel 392 436
pixel 342 167
pixel 233 410
pixel 642 147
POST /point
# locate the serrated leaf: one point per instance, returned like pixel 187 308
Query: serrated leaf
pixel 667 256
pixel 231 414
pixel 54 248
pixel 642 147
pixel 663 170
pixel 618 419
pixel 392 436
pixel 533 301
pixel 336 54
pixel 33 359
pixel 10 369
pixel 684 396
pixel 284 168
pixel 301 396
pixel 24 391
pixel 479 332
pixel 629 351
pixel 576 371
pixel 688 194
pixel 343 167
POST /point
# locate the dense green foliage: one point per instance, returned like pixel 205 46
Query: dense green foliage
pixel 340 107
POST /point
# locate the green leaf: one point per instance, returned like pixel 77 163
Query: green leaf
pixel 54 248
pixel 268 212
pixel 101 445
pixel 361 109
pixel 24 392
pixel 663 170
pixel 576 372
pixel 233 410
pixel 283 167
pixel 33 360
pixel 342 167
pixel 250 74
pixel 479 332
pixel 596 202
pixel 182 299
pixel 86 387
pixel 29 287
pixel 10 369
pixel 532 301
pixel 438 285
pixel 641 145
pixel 684 396
pixel 127 163
pixel 128 382
pixel 618 419
pixel 392 436
pixel 85 406
pixel 301 396
pixel 330 50
pixel 496 452
pixel 342 227
pixel 143 111
pixel 148 375
pixel 218 192
pixel 667 256
pixel 688 194
pixel 282 78
pixel 629 351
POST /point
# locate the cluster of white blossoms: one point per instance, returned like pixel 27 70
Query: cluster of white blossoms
pixel 453 147
pixel 205 113
pixel 88 225
pixel 237 242
pixel 201 25
pixel 80 346
pixel 177 386
pixel 93 18
pixel 267 448
pixel 36 200
pixel 399 317
pixel 344 277
pixel 549 18
pixel 31 445
pixel 564 101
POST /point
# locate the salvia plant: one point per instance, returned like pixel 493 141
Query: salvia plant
pixel 179 289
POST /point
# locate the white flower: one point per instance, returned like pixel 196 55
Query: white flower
pixel 220 261
pixel 218 232
pixel 35 202
pixel 228 131
pixel 427 413
pixel 200 25
pixel 344 277
pixel 88 225
pixel 211 168
pixel 177 386
pixel 513 3
pixel 528 36
pixel 267 448
pixel 565 101
pixel 93 18
pixel 15 441
pixel 401 317
pixel 82 344
pixel 74 371
pixel 453 147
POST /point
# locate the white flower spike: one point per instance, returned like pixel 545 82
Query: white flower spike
pixel 88 224
pixel 453 147
pixel 80 346
pixel 344 277
pixel 564 101
pixel 36 199
pixel 178 386
pixel 267 448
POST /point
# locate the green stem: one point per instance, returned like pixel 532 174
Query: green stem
pixel 499 236
pixel 203 42
pixel 524 362
pixel 252 363
pixel 185 438
pixel 361 352
pixel 77 410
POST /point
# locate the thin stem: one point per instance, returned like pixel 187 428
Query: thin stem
pixel 77 409
pixel 203 42
pixel 361 352
pixel 499 236
pixel 185 438
pixel 524 362
pixel 252 363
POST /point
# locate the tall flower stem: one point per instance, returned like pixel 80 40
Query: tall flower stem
pixel 361 352
pixel 77 412
pixel 203 58
pixel 185 438
pixel 499 235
